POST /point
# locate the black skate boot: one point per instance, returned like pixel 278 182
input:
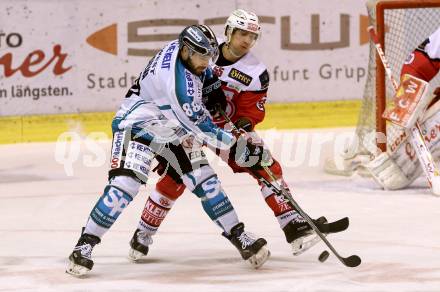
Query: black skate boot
pixel 139 245
pixel 298 233
pixel 251 249
pixel 81 257
pixel 299 228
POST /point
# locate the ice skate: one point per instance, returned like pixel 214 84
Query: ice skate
pixel 80 260
pixel 300 235
pixel 251 249
pixel 139 245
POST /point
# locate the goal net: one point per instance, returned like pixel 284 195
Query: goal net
pixel 401 26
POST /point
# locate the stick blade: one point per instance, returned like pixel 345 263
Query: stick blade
pixel 352 261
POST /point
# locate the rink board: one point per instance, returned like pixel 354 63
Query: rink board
pixel 46 128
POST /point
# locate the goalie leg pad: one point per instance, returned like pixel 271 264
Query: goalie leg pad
pixel 399 167
pixel 387 173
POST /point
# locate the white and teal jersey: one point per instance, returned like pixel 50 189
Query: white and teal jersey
pixel 167 98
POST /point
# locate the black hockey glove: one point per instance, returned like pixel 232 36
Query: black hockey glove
pixel 244 123
pixel 213 96
pixel 248 154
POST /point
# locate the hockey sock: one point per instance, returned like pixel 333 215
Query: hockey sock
pixel 155 211
pixel 221 211
pixel 117 195
pixel 281 207
pixel 204 184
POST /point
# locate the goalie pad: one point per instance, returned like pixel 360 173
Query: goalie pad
pixel 345 165
pixel 399 167
pixel 409 103
pixel 389 174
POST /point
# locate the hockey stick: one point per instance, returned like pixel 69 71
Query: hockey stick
pixel 417 140
pixel 351 261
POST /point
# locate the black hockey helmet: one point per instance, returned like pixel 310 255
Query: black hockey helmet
pixel 200 39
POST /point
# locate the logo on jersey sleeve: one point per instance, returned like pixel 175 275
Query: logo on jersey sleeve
pixel 264 80
pixel 261 102
pixel 189 83
pixel 218 71
pixel 409 59
pixel 240 76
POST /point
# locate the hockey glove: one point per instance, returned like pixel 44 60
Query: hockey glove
pixel 213 96
pixel 244 123
pixel 246 153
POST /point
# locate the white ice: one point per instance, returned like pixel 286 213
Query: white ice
pixel 42 210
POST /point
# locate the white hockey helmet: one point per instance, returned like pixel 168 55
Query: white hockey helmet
pixel 244 20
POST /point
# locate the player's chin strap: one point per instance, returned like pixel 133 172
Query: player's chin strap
pixel 351 261
pixel 231 52
pixel 416 137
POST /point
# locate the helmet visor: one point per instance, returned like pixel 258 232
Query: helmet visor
pixel 209 53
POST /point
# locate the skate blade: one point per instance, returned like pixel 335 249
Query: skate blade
pixel 301 245
pixel 76 270
pixel 134 255
pixel 258 259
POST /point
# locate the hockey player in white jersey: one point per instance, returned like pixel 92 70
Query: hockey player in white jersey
pixel 398 167
pixel 161 114
pixel 241 92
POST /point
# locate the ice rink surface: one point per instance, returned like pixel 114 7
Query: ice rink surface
pixel 42 210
